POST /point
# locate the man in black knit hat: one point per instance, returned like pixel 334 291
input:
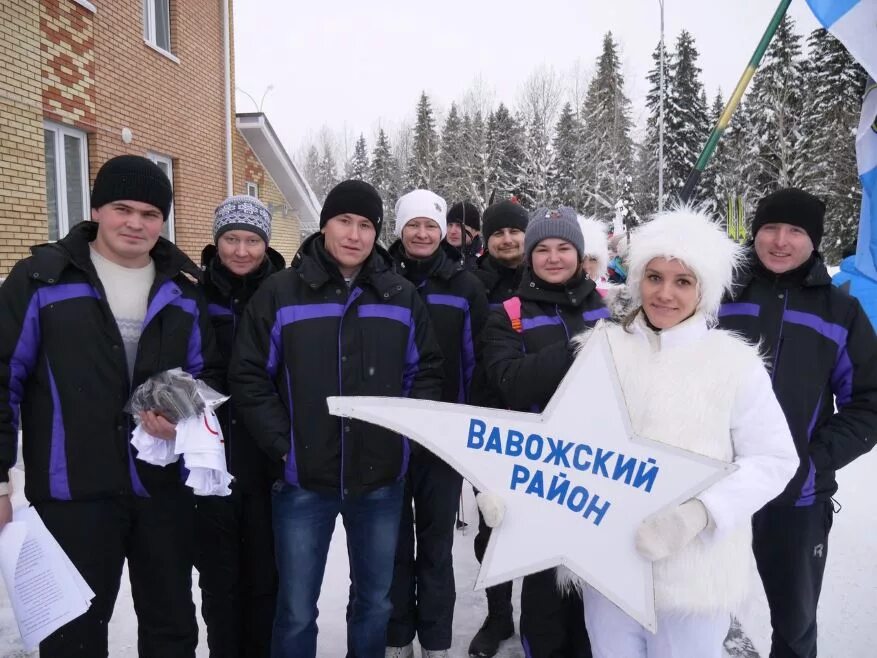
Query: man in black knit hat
pixel 85 321
pixel 823 357
pixel 464 232
pixel 338 321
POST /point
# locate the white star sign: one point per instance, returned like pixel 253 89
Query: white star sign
pixel 575 480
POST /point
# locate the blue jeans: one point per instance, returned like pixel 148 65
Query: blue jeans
pixel 303 524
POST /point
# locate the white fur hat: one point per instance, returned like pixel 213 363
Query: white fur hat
pixel 596 242
pixel 689 236
pixel 421 203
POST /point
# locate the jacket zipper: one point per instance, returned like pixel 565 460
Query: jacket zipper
pixel 352 298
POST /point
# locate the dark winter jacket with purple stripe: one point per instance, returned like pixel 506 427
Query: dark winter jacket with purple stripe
pixel 305 336
pixel 227 296
pixel 457 307
pixel 525 367
pixel 821 351
pixel 63 363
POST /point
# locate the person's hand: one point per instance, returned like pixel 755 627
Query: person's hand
pixel 669 531
pixel 158 426
pixel 492 508
pixel 5 511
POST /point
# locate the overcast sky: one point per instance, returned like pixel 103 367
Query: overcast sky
pixel 355 65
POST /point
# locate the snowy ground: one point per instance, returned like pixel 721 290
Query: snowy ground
pixel 847 608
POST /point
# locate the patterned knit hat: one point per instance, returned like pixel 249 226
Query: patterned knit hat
pixel 561 223
pixel 242 213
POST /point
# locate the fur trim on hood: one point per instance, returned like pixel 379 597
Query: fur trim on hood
pixel 596 242
pixel 692 237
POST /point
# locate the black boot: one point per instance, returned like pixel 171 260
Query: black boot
pixel 498 625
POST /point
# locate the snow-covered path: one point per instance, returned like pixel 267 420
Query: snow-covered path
pixel 847 608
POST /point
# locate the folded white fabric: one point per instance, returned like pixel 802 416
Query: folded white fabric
pixel 199 440
pixel 492 508
pixel 158 452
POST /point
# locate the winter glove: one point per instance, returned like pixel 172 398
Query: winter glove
pixel 492 508
pixel 668 532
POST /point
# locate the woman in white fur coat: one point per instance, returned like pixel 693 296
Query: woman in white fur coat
pixel 596 252
pixel 703 389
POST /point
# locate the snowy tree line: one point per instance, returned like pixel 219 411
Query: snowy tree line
pixel 795 127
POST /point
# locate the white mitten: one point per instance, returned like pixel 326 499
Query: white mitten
pixel 492 508
pixel 666 533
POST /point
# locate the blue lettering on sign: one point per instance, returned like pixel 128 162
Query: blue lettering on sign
pixel 565 454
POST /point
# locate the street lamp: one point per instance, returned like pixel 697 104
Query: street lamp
pixel 661 120
pixel 261 101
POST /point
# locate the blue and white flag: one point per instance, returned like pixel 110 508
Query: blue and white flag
pixel 854 23
pixel 866 159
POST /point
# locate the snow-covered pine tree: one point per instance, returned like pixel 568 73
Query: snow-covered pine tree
pixel 383 175
pixel 450 171
pixel 328 172
pixel 774 115
pixel 646 179
pixel 477 172
pixel 606 145
pixel 564 181
pixel 312 171
pixel 686 123
pixel 505 152
pixel 539 104
pixel 424 148
pixel 832 105
pixel 358 165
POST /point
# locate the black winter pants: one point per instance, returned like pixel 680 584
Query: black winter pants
pixel 423 591
pixel 237 573
pixel 155 536
pixel 552 624
pixel 791 546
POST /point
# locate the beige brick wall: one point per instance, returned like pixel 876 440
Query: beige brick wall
pixel 22 170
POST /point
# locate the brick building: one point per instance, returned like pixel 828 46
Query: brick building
pixel 82 81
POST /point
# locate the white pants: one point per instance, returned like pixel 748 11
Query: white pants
pixel 615 635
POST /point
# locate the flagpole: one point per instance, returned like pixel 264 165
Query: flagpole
pixel 733 102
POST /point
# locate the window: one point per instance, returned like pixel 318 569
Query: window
pixel 66 155
pixel 157 24
pixel 166 164
pixel 252 189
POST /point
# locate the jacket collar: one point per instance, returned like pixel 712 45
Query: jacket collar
pixel 51 259
pixel 811 274
pixel 572 297
pixel 688 331
pixel 316 268
pixel 444 264
pixel 226 281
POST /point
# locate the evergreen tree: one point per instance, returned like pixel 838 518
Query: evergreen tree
pixel 327 173
pixel 686 126
pixel 312 171
pixel 647 158
pixel 477 172
pixel 606 145
pixel 358 166
pixel 564 181
pixel 832 106
pixel 450 173
pixel 504 152
pixel 537 164
pixel 383 175
pixel 424 149
pixel 774 115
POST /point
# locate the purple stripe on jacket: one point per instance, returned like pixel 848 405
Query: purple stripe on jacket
pixel 295 313
pixel 739 308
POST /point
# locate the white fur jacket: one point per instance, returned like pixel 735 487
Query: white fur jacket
pixel 707 390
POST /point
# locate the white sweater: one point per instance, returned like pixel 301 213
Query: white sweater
pixel 707 391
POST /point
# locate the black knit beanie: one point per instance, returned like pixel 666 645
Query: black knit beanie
pixel 132 178
pixel 465 212
pixel 505 214
pixel 792 206
pixel 356 197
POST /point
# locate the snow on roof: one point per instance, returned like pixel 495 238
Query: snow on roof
pixel 261 138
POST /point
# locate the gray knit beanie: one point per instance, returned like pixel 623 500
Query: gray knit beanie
pixel 242 213
pixel 561 223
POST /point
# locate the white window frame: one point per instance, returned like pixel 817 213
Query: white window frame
pixel 168 161
pixel 149 29
pixel 60 130
pixel 252 189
